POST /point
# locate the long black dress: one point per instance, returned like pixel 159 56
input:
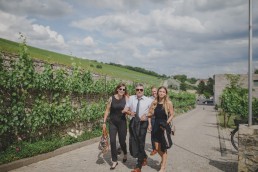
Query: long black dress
pixel 161 120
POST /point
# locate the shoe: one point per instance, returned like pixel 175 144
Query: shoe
pixel 136 170
pixel 125 158
pixel 144 163
pixel 153 152
pixel 113 165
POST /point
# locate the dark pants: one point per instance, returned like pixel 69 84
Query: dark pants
pixel 152 133
pixel 142 137
pixel 121 129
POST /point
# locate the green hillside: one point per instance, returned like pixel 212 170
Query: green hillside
pixel 91 65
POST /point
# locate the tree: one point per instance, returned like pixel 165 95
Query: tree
pixel 183 86
pixel 234 99
pixel 201 87
pixel 181 78
pixel 192 80
pixel 209 87
pixel 256 71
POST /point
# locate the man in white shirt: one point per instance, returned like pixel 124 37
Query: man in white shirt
pixel 138 106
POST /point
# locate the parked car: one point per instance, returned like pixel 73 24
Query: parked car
pixel 208 102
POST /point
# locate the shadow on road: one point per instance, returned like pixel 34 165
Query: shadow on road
pixel 222 165
pixel 106 158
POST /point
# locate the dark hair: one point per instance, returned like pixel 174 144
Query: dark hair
pixel 139 85
pixel 121 85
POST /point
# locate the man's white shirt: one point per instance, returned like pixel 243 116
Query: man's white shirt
pixel 145 103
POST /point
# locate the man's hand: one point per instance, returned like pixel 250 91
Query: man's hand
pixel 143 118
pixel 132 113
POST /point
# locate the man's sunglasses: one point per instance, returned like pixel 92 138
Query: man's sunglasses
pixel 139 90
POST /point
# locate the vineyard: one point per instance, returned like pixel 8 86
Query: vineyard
pixel 234 101
pixel 34 105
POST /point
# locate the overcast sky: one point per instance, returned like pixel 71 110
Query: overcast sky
pixel 198 38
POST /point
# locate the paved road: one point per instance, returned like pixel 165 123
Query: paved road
pixel 197 148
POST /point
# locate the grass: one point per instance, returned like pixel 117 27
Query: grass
pixel 221 120
pixel 90 65
pixel 26 149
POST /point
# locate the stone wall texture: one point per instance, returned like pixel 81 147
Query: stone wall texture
pixel 39 65
pixel 248 148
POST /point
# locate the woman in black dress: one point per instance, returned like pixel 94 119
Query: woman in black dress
pixel 117 122
pixel 162 109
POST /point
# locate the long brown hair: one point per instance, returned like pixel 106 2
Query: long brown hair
pixel 165 101
pixel 121 85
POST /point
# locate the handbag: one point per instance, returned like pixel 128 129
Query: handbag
pixel 173 128
pixel 103 143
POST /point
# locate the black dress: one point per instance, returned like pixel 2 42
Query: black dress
pixel 161 121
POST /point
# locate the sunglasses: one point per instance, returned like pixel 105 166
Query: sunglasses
pixel 139 90
pixel 121 89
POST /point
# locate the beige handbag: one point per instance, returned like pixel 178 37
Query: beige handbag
pixel 103 143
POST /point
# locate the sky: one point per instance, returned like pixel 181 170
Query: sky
pixel 197 38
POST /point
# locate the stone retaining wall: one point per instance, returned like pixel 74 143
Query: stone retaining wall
pixel 248 148
pixel 39 65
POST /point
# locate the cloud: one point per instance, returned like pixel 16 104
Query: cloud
pixel 45 31
pixel 44 9
pixel 88 41
pixel 197 38
pixel 39 35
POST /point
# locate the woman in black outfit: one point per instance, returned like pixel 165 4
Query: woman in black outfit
pixel 162 109
pixel 117 123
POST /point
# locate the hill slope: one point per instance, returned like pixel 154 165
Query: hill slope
pixel 91 65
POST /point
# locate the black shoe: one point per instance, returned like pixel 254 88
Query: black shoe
pixel 125 158
pixel 113 166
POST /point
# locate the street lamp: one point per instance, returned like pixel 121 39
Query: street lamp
pixel 250 72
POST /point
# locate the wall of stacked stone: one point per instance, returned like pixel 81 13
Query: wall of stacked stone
pixel 248 148
pixel 39 68
pixel 73 129
pixel 39 65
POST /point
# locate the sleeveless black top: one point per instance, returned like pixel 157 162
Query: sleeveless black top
pixel 159 112
pixel 116 108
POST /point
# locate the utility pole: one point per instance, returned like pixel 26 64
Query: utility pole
pixel 250 72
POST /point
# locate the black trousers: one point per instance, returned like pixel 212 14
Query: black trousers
pixel 142 137
pixel 121 129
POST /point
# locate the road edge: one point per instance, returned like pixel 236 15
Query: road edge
pixel 223 149
pixel 27 161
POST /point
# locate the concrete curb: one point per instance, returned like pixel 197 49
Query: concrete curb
pixel 31 160
pixel 222 143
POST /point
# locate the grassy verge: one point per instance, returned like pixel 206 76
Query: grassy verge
pixel 222 122
pixel 26 149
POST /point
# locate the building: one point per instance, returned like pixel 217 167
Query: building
pixel 221 81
